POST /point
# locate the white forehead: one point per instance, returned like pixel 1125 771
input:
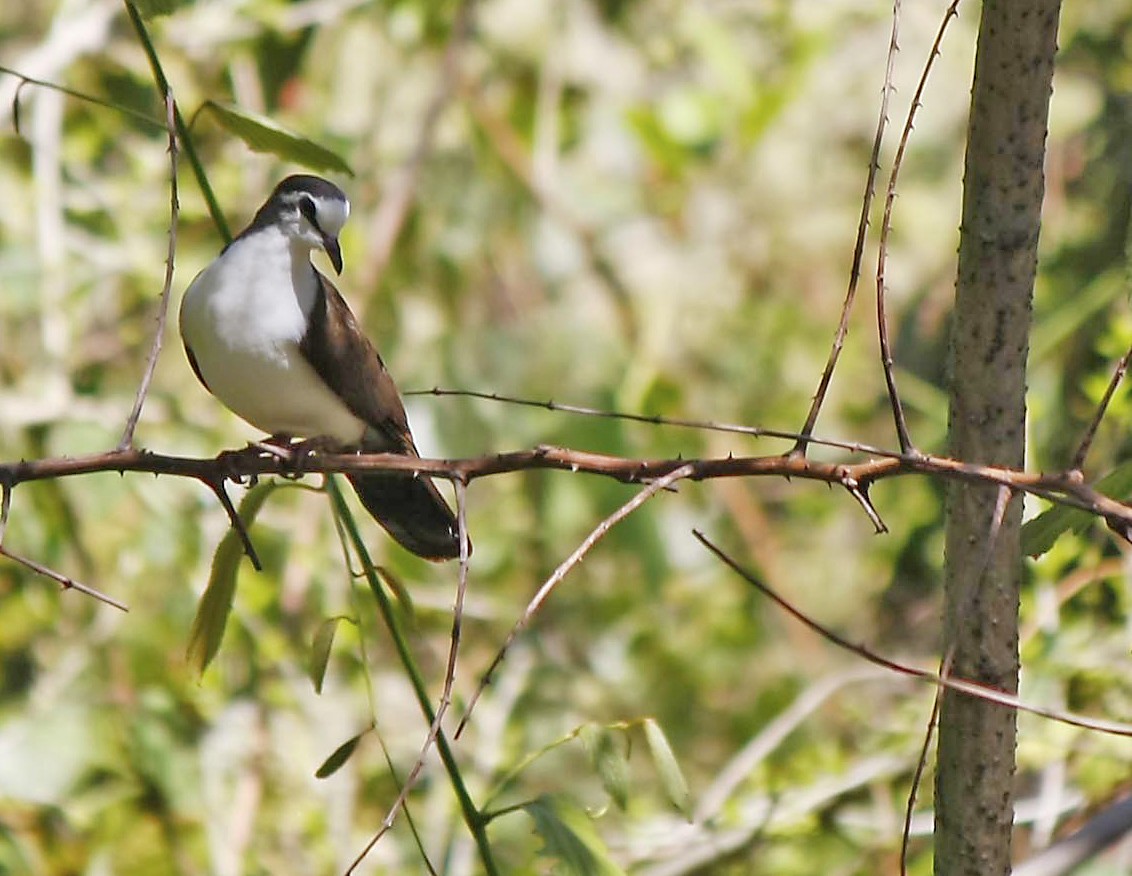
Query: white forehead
pixel 332 214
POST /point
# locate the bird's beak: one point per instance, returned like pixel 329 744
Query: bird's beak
pixel 333 251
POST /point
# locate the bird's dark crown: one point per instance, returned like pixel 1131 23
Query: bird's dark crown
pixel 286 195
pixel 308 184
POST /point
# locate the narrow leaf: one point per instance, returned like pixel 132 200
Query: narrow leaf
pixel 320 650
pixel 339 757
pixel 1040 533
pixel 261 134
pixel 216 602
pixel 609 763
pixel 569 837
pixel 671 776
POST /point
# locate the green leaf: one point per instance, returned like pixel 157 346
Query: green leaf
pixel 339 757
pixel 1039 534
pixel 609 763
pixel 216 602
pixel 320 650
pixel 261 134
pixel 569 837
pixel 671 776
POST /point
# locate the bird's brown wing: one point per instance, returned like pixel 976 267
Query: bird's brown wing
pixel 350 365
pixel 410 508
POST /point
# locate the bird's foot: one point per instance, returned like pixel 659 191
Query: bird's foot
pixel 294 454
pixel 234 463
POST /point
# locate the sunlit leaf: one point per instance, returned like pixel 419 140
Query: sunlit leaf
pixel 339 757
pixel 261 134
pixel 671 776
pixel 320 650
pixel 216 602
pixel 569 837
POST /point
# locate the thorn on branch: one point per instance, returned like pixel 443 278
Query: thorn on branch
pixel 217 487
pixel 1120 527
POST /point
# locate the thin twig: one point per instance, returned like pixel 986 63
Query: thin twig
pixel 970 688
pixel 859 245
pixel 901 423
pixel 83 96
pixel 64 581
pixel 651 419
pixel 1102 408
pixel 449 678
pixel 127 439
pixel 661 483
pixel 473 818
pixel 217 487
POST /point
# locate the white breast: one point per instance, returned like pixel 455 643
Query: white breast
pixel 243 318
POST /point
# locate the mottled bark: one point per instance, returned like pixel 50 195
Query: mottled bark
pixel 1002 201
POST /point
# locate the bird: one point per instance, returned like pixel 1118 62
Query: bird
pixel 273 339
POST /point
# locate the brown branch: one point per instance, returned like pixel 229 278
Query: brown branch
pixel 969 688
pixel 859 245
pixel 906 445
pixel 64 581
pixel 127 439
pixel 1064 488
pixel 216 484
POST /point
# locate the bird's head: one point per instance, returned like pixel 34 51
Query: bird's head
pixel 312 210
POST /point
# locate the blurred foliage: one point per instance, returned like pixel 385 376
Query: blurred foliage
pixel 645 205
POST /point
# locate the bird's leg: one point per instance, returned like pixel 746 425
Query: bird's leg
pixel 296 453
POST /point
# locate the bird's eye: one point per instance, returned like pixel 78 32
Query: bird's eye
pixel 307 208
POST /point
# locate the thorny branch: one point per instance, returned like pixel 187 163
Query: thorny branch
pixel 166 290
pixel 1066 488
pixel 859 245
pixel 899 420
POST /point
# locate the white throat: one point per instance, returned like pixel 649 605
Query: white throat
pixel 243 319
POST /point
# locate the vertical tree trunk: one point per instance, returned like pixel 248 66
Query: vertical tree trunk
pixel 1002 200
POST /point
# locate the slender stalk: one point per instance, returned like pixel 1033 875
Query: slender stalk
pixel 182 129
pixel 472 816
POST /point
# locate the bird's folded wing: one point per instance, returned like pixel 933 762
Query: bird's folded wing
pixel 348 362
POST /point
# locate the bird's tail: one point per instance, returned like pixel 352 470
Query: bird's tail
pixel 411 510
